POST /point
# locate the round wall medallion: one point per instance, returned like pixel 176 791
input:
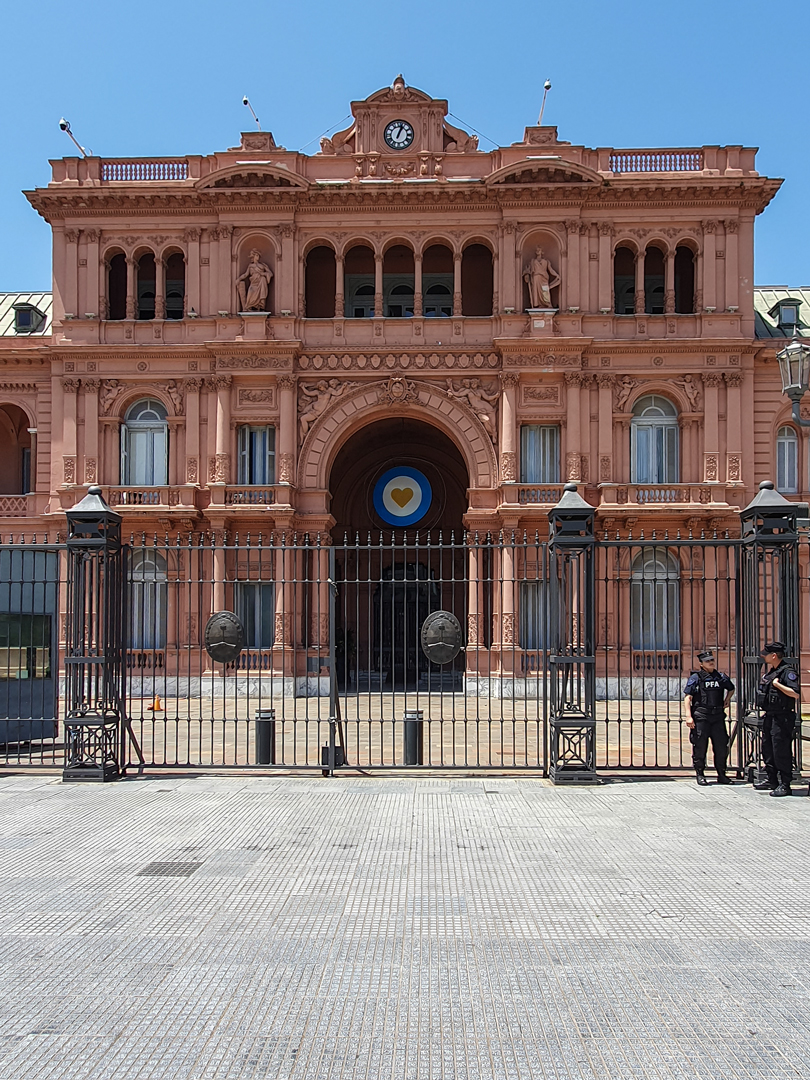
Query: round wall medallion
pixel 143 366
pixel 224 637
pixel 402 496
pixel 441 637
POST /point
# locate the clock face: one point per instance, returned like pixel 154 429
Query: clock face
pixel 398 135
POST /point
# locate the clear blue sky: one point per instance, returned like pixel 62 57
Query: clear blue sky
pixel 168 78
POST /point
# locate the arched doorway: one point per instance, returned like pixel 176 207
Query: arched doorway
pixel 398 495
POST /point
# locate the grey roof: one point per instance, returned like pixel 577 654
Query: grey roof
pixel 765 296
pixel 43 301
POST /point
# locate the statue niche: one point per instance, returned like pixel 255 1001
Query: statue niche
pixel 540 277
pixel 253 286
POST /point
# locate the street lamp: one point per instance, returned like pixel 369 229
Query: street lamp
pixel 794 367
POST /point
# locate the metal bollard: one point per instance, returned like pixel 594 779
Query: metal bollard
pixel 413 737
pixel 266 737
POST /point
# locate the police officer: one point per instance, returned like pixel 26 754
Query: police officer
pixel 706 695
pixel 779 690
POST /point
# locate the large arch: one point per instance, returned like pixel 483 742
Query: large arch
pixel 374 401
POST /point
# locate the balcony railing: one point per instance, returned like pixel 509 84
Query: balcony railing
pixel 250 496
pixel 662 494
pixel 165 169
pixel 656 161
pixel 13 505
pixel 533 494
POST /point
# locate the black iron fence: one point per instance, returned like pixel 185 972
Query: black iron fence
pixel 334 673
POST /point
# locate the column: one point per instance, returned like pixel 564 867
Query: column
pixel 605 267
pixel 192 470
pixel 684 434
pixel 457 301
pixel 639 286
pixel 222 468
pixel 193 301
pixel 90 388
pixel 71 297
pixel 132 268
pixel 94 294
pixel 571 281
pixel 507 621
pixel 340 302
pixel 509 297
pixel 417 284
pixel 711 427
pixel 509 384
pixel 605 382
pixel 475 636
pixel 573 461
pixel 287 435
pixel 219 570
pixel 732 264
pixel 709 264
pixel 286 265
pixel 160 287
pixel 378 286
pixel 669 283
pixel 70 388
pixel 226 285
pixel 734 380
pixel 496 300
pixel 586 299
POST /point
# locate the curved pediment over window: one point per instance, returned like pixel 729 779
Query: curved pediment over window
pixel 250 176
pixel 550 169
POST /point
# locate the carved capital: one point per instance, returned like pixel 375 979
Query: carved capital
pixel 90 386
pixel 286 382
pixel 71 386
pixel 731 226
pixel 221 382
pixel 710 226
pixel 734 378
pixel 606 228
pixel 712 378
pixel 193 385
pixel 509 379
pixel 604 378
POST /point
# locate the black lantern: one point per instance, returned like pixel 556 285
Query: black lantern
pixel 794 367
pixel 95 641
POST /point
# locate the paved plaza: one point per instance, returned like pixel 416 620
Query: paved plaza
pixel 246 926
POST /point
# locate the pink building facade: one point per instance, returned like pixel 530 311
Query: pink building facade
pixel 247 340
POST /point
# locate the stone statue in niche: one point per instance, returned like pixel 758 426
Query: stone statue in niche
pixel 316 398
pixel 479 398
pixel 541 278
pixel 253 286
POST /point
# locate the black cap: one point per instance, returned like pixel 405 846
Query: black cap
pixel 703 656
pixel 773 646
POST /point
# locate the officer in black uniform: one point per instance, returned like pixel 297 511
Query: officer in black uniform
pixel 707 694
pixel 778 693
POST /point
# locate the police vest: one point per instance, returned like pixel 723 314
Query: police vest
pixel 774 701
pixel 708 701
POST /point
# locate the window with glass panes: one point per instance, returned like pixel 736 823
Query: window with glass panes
pixel 654 441
pixel 255 605
pixel 787 460
pixel 539 454
pixel 144 445
pixel 257 454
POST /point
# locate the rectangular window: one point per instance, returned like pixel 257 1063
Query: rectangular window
pixel 787 461
pixel 256 606
pixel 533 629
pixel 257 454
pixel 539 454
pixel 655 454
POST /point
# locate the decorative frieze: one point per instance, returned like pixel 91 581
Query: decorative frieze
pixel 396 361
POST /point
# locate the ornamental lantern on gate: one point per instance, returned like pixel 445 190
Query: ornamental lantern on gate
pixel 95 641
pixel 572 639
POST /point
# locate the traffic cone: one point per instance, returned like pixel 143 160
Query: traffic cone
pixel 155 706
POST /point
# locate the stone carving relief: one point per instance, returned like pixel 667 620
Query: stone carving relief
pixel 315 399
pixel 398 391
pixel 257 397
pixel 545 360
pixel 191 470
pixel 481 399
pixel 110 389
pixel 69 467
pixel 541 278
pixel 508 467
pixel 253 286
pixel 404 361
pixel 285 468
pixel 710 468
pixel 548 394
pixel 690 387
pixel 734 468
pixel 253 363
pixel 90 469
pixel 175 391
pixel 573 466
pixel 623 390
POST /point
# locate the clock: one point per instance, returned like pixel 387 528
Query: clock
pixel 398 135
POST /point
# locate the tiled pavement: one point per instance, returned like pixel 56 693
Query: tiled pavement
pixel 241 926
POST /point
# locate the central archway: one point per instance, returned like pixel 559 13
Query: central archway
pixel 390 579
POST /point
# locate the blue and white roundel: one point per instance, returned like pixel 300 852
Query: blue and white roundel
pixel 402 496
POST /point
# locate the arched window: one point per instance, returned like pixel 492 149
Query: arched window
pixel 624 281
pixel 175 286
pixel 684 281
pixel 787 460
pixel 358 282
pixel 654 441
pixel 476 280
pixel 321 283
pixel 148 599
pixel 654 281
pixel 398 282
pixel 16 472
pixel 147 285
pixel 438 302
pixel 117 287
pixel 654 601
pixel 144 445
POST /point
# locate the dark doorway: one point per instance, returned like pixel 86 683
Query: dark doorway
pixel 389 579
